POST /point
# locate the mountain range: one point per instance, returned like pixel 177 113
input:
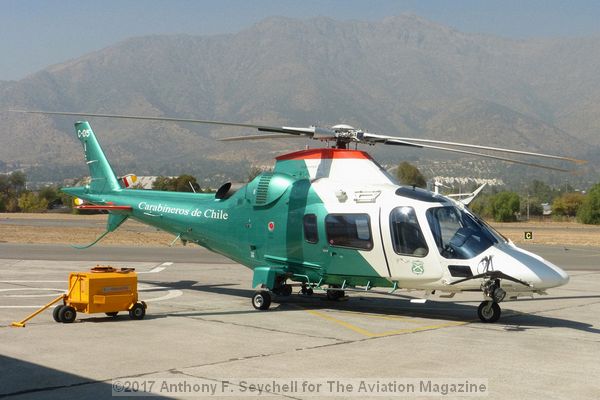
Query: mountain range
pixel 403 75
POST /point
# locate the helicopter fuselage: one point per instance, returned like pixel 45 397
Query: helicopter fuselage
pixel 334 217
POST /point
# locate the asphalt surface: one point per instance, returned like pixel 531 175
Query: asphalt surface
pixel 201 329
pixel 569 258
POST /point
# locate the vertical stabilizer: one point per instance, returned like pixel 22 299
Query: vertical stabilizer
pixel 103 178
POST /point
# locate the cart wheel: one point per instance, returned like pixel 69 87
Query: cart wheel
pixel 112 314
pixel 67 314
pixel 137 311
pixel 56 312
pixel 261 300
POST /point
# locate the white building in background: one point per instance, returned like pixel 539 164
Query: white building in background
pixel 546 209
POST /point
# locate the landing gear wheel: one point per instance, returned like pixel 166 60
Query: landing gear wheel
pixel 67 314
pixel 308 291
pixel 112 314
pixel 284 290
pixel 261 300
pixel 56 312
pixel 489 311
pixel 334 295
pixel 138 311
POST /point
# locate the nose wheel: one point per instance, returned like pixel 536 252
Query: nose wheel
pixel 489 311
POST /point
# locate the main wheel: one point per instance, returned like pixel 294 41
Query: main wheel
pixel 261 300
pixel 56 312
pixel 286 290
pixel 489 311
pixel 67 314
pixel 138 311
pixel 335 294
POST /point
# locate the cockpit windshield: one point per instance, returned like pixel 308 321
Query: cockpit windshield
pixel 458 234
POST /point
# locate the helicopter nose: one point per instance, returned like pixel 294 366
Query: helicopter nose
pixel 559 278
pixel 548 275
pixel 541 273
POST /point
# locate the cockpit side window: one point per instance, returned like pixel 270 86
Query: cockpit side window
pixel 457 234
pixel 349 230
pixel 407 237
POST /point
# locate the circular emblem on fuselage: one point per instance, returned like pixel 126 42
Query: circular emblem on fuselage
pixel 271 226
pixel 418 267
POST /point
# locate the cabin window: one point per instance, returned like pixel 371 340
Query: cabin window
pixel 407 237
pixel 349 230
pixel 311 234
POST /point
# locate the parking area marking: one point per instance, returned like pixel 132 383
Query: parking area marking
pixel 367 333
pixel 170 293
pixel 31 290
pixel 158 268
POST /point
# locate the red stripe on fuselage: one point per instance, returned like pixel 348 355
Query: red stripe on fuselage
pixel 319 154
pixel 106 207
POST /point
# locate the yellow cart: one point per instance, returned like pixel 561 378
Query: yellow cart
pixel 102 290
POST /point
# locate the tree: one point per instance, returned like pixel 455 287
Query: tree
pixel 589 211
pixel 482 205
pixel 162 183
pixel 17 181
pixel 541 191
pixel 410 175
pixel 4 184
pixel 30 202
pixel 568 204
pixel 49 193
pixel 505 206
pixel 182 183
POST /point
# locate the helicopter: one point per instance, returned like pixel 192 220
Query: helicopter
pixel 331 219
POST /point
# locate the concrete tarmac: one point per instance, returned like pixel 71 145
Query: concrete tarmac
pixel 201 330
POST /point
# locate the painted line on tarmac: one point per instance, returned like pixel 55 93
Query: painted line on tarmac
pixel 171 294
pixel 29 290
pixel 370 334
pixel 157 269
pixel 21 306
pixel 24 281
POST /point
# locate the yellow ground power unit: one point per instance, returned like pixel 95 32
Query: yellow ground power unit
pixel 102 290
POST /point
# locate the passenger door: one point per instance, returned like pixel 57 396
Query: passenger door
pixel 411 253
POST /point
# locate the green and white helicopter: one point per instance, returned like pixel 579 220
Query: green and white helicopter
pixel 333 219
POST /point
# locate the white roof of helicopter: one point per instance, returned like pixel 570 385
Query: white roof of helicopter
pixel 351 177
pixel 341 165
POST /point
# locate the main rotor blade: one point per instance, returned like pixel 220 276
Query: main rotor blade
pixel 291 130
pixel 368 135
pixel 258 137
pixel 426 146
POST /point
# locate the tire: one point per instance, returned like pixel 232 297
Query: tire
pixel 286 290
pixel 67 314
pixel 56 312
pixel 138 311
pixel 112 314
pixel 261 300
pixel 334 295
pixel 489 311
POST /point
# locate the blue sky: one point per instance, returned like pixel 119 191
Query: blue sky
pixel 38 33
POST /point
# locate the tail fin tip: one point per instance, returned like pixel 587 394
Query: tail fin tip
pixel 103 179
